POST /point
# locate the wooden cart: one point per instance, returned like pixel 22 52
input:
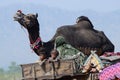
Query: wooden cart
pixel 56 70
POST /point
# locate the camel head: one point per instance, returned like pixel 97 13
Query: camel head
pixel 28 21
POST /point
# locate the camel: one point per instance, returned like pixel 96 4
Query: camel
pixel 82 34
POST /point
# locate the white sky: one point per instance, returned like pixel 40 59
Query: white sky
pixel 97 5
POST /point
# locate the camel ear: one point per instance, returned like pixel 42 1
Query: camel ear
pixel 36 15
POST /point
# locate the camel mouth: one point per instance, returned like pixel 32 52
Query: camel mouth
pixel 18 16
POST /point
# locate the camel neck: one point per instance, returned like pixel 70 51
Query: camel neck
pixel 33 36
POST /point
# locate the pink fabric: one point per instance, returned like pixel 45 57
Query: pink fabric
pixel 106 54
pixel 110 72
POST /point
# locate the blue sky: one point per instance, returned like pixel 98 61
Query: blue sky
pixel 97 5
pixel 26 55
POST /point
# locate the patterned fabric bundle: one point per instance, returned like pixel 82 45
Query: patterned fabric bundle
pixel 92 61
pixel 110 73
pixel 66 51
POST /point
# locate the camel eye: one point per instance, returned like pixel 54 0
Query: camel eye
pixel 28 17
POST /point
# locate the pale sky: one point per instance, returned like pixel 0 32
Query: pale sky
pixel 75 5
